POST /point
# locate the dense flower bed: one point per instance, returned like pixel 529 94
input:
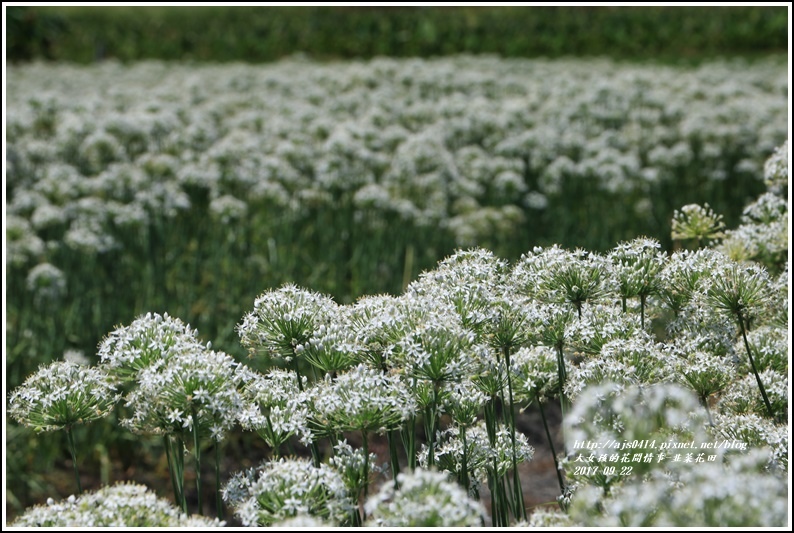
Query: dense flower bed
pixel 671 371
pixel 187 189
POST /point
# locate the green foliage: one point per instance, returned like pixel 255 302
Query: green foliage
pixel 204 33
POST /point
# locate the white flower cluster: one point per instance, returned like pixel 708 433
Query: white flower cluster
pixel 350 463
pixel 638 264
pixel 288 488
pixel 438 351
pixel 469 281
pixel 634 360
pixel 740 396
pixel 704 373
pixel 611 412
pixel 192 391
pixel 61 395
pixel 22 243
pixel 274 407
pixel 536 372
pixel 776 168
pixel 46 282
pixel 600 325
pixel 770 349
pixel 150 339
pixel 763 233
pixel 481 456
pixel 425 499
pixel 283 321
pixel 175 384
pixel 698 222
pixel 756 431
pixel 126 505
pixel 362 399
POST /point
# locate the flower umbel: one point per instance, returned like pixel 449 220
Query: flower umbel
pixel 121 505
pixel 61 395
pixel 697 222
pixel 425 499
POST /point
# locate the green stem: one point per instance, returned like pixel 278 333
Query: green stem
pixel 70 440
pixel 519 511
pixel 365 446
pixel 269 429
pixel 428 424
pixel 408 266
pixel 551 445
pixel 179 461
pixel 393 456
pixel 218 498
pixel 561 374
pixel 490 421
pixel 494 505
pixel 704 400
pixel 176 469
pixel 355 518
pixel 752 364
pixel 290 450
pixel 498 503
pixel 297 372
pixel 432 414
pixel 412 444
pixel 315 454
pixel 315 450
pixel 171 468
pixel 504 507
pixel 408 434
pixel 464 466
pixel 197 455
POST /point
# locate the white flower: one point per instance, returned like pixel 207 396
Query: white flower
pixel 149 340
pixel 481 456
pixel 362 399
pixel 47 283
pixel 284 319
pixel 283 489
pixel 188 389
pixel 62 394
pixel 274 407
pixel 425 499
pixel 124 505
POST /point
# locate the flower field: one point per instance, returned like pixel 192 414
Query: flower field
pixel 193 188
pixel 318 256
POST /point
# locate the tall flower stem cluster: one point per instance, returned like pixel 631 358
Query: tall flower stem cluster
pixel 362 400
pixel 507 335
pixel 742 292
pixel 638 264
pixel 178 388
pixel 537 372
pixel 281 325
pixel 61 396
